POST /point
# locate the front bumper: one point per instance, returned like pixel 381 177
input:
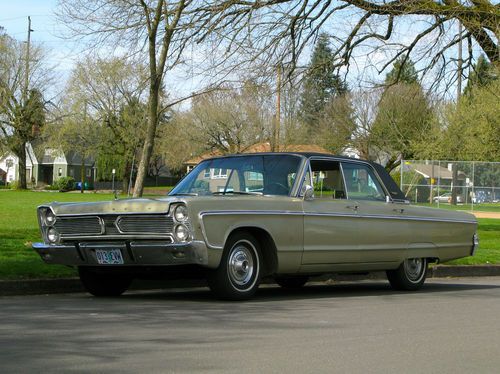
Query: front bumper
pixel 147 253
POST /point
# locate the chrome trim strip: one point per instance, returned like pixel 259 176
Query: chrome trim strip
pixel 307 168
pixel 343 179
pixel 111 214
pixel 118 237
pixel 296 192
pixel 287 212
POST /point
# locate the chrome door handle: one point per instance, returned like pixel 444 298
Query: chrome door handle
pixel 399 210
pixel 353 207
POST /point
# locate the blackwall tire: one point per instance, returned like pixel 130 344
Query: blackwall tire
pixel 410 275
pixel 102 284
pixel 239 272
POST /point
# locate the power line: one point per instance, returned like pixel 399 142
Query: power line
pixel 21 17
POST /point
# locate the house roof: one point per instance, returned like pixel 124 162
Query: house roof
pixel 427 171
pixel 2 172
pixel 263 148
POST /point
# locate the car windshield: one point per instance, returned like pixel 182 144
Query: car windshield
pixel 241 175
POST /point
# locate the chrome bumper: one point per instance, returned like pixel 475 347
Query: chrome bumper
pixel 475 244
pixel 150 253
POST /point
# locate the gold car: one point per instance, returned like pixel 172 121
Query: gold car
pixel 239 218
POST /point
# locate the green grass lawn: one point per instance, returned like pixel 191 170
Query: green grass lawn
pixel 487 207
pixel 19 228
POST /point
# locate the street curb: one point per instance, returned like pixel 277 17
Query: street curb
pixel 71 285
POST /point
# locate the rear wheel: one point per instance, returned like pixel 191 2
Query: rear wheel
pixel 410 275
pixel 103 284
pixel 238 275
pixel 292 282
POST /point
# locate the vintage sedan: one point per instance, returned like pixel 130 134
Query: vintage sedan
pixel 237 219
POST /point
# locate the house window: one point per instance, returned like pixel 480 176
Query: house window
pixel 59 172
pixel 71 172
pixel 89 172
pixel 255 176
pixel 9 162
pixel 219 173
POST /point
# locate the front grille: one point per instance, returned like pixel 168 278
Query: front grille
pixel 78 226
pixel 114 225
pixel 109 224
pixel 145 224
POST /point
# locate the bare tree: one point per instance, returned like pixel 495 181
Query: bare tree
pixel 22 106
pixel 230 120
pixel 114 90
pixel 159 29
pixel 282 29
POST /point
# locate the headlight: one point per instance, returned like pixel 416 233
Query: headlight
pixel 50 218
pixel 181 213
pixel 52 235
pixel 181 233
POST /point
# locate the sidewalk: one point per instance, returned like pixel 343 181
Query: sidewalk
pixel 70 285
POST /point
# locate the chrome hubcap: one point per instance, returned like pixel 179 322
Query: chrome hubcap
pixel 414 269
pixel 240 265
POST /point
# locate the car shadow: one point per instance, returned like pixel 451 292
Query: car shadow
pixel 269 292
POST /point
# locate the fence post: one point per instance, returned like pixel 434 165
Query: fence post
pixel 473 186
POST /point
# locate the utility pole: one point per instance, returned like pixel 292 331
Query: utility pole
pixel 460 62
pixel 454 168
pixel 27 73
pixel 277 124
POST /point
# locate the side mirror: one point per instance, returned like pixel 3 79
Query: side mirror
pixel 308 193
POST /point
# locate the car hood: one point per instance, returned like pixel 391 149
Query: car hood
pixel 121 206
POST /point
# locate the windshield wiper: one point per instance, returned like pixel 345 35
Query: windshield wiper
pixel 183 194
pixel 236 193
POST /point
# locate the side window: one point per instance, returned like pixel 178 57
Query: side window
pixel 327 180
pixel 361 182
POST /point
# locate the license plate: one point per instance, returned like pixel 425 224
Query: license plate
pixel 109 256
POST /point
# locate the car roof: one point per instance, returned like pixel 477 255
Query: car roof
pixel 303 154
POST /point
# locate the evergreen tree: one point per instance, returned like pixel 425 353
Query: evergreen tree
pixel 483 74
pixel 402 72
pixel 321 82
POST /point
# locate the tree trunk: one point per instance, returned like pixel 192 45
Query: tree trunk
pixel 21 155
pixel 147 149
pixel 82 176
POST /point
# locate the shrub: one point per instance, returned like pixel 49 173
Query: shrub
pixel 14 185
pixel 65 184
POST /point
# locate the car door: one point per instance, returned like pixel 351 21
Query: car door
pixel 330 219
pixel 383 228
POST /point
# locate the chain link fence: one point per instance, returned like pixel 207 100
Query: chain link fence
pixel 466 183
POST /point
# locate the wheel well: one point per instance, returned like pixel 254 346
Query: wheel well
pixel 269 251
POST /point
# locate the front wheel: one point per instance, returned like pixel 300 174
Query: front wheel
pixel 409 276
pixel 103 284
pixel 238 274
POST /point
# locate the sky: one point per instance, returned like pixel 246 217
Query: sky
pixel 63 53
pixel 14 18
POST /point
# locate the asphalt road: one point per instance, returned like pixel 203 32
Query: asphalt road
pixel 450 326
